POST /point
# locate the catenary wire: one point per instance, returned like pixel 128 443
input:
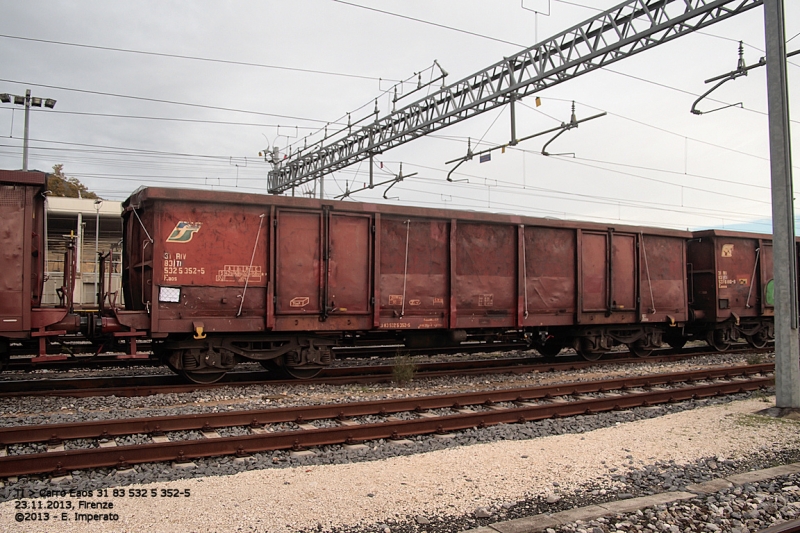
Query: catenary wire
pixel 195 58
pixel 160 101
pixel 436 24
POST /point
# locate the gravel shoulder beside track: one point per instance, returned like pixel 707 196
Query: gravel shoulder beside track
pixel 374 495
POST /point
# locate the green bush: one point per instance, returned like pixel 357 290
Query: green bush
pixel 403 369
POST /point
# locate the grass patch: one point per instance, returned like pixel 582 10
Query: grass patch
pixel 762 396
pixel 760 421
pixel 403 369
pixel 755 359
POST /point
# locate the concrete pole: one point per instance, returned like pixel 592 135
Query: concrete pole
pixel 787 352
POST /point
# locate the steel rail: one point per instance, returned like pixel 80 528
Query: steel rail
pixel 139 385
pixel 786 527
pixel 206 421
pixel 134 386
pixel 131 386
pixel 627 29
pixel 58 463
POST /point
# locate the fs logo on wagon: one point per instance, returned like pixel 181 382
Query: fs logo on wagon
pixel 184 231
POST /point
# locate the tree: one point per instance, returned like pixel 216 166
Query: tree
pixel 60 185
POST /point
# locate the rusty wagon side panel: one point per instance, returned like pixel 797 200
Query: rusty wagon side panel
pixel 549 276
pixel 253 263
pixel 414 282
pixel 323 270
pixel 196 264
pixel 22 271
pixel 486 275
pixel 662 274
pixel 21 256
pixel 731 275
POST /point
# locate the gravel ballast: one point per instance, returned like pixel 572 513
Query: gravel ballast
pixel 460 486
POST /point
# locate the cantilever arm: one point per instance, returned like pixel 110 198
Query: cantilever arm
pixel 732 76
pixel 741 70
pixel 464 160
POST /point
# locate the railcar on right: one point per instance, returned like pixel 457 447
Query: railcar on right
pixel 731 288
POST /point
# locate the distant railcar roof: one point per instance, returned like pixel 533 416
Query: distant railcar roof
pixel 732 234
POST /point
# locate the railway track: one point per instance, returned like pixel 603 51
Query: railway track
pixel 83 358
pixel 786 527
pixel 399 418
pixel 130 386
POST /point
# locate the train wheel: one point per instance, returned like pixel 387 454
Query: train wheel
pixel 288 372
pixel 302 373
pixel 677 342
pixel 5 354
pixel 639 351
pixel 269 364
pixel 202 378
pixel 589 355
pixel 716 339
pixel 759 340
pixel 550 349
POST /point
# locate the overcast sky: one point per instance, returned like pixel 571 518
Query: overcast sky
pixel 267 73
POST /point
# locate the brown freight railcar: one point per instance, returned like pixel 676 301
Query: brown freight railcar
pixel 22 254
pixel 731 287
pixel 216 277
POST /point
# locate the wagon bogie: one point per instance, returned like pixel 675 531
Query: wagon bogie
pixel 721 338
pixel 593 343
pixel 215 354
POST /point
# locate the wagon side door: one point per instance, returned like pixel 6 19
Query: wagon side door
pixel 486 275
pixel 323 269
pixel 609 283
pixel 349 265
pixel 414 278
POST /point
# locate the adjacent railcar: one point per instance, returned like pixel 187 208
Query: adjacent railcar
pixel 215 278
pixel 22 238
pixel 731 288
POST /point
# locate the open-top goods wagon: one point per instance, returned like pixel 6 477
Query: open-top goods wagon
pixel 218 277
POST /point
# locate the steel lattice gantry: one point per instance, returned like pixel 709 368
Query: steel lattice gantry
pixel 629 28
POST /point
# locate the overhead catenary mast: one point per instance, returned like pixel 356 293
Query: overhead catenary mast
pixel 629 28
